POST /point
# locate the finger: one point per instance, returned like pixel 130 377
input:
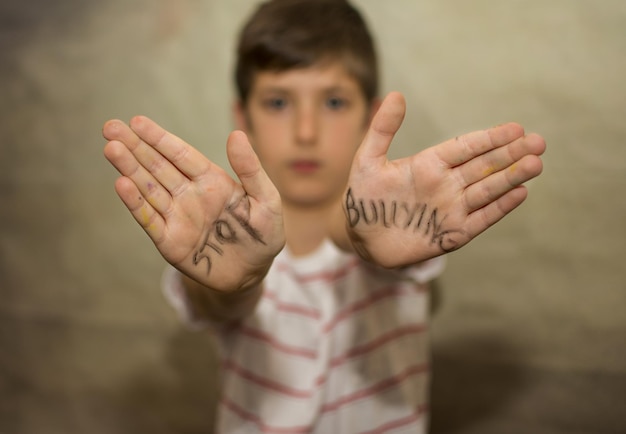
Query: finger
pixel 155 163
pixel 145 184
pixel 383 127
pixel 150 220
pixel 490 189
pixel 500 158
pixel 191 162
pixel 485 217
pixel 248 169
pixel 463 148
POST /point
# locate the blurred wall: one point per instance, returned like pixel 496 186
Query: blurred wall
pixel 529 330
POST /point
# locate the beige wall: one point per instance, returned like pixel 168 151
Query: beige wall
pixel 529 336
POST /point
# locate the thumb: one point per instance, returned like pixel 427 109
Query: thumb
pixel 384 125
pixel 248 169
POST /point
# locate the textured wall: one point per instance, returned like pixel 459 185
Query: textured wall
pixel 529 334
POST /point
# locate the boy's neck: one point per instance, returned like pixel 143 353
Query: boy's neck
pixel 306 227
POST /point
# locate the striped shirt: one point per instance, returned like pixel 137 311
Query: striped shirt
pixel 334 346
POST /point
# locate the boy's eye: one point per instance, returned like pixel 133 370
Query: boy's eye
pixel 275 103
pixel 336 103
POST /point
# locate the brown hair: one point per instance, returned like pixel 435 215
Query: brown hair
pixel 288 34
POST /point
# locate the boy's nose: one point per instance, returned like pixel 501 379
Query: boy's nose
pixel 306 127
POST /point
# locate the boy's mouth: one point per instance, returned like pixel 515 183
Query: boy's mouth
pixel 305 166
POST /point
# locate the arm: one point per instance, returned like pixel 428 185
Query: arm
pixel 397 213
pixel 221 234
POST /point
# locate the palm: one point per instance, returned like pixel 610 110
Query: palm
pixel 214 229
pixel 403 211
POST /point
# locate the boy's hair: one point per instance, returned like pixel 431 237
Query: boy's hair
pixel 289 34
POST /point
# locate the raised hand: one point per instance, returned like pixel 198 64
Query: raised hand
pixel 403 211
pixel 219 232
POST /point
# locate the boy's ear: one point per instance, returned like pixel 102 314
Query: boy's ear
pixel 240 116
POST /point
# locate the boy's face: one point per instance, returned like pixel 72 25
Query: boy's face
pixel 305 125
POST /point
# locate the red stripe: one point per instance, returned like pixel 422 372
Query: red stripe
pixel 378 342
pixel 292 307
pixel 376 388
pixel 364 304
pixel 251 417
pixel 417 415
pixel 269 384
pixel 285 348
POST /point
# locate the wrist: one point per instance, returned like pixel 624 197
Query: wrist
pixel 222 306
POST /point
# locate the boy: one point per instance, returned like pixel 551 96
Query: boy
pixel 313 268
